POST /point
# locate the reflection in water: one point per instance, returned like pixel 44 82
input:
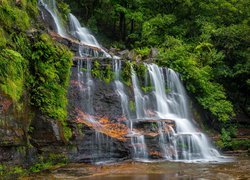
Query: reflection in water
pixel 239 169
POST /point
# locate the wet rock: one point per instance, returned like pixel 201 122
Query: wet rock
pixel 223 176
pixel 46 131
pixel 153 53
pixel 14 125
pixel 132 55
pixel 92 146
pixel 151 127
pixel 124 54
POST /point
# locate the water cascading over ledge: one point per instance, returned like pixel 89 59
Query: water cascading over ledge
pixel 151 115
pixel 156 123
pixel 88 45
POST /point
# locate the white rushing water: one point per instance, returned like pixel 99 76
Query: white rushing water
pixel 91 46
pixel 50 6
pixel 119 88
pixel 86 87
pixel 140 100
pixel 184 142
pixel 84 35
pixel 81 33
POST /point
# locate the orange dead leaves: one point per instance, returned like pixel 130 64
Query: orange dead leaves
pixel 103 125
pixel 155 153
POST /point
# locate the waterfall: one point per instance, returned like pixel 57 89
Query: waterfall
pixel 86 87
pixel 85 36
pixel 119 88
pixel 141 100
pixel 137 140
pixel 91 46
pixel 50 7
pixel 182 142
pixel 81 33
pixel 185 141
pixel 139 147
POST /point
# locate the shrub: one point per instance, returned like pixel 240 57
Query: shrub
pixel 13 68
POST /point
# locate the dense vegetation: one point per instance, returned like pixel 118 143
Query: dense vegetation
pixel 206 41
pixel 30 62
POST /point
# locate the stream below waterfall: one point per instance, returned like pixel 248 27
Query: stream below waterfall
pixel 130 170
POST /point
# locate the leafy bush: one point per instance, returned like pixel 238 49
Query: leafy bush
pixel 51 64
pixel 196 71
pixel 46 162
pixel 13 17
pixel 13 68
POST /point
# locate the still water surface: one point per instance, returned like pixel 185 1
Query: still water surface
pixel 128 170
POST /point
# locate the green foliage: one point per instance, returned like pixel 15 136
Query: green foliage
pixel 227 141
pixel 64 9
pixel 10 172
pixel 132 106
pixel 106 74
pixel 66 131
pixel 207 42
pixel 13 68
pixel 3 40
pixel 154 30
pixel 51 63
pixel 196 71
pixel 46 162
pixel 126 73
pixel 13 17
pixel 144 52
pixel 147 89
pixel 140 70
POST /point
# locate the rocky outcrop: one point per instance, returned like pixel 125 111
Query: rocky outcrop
pixel 14 124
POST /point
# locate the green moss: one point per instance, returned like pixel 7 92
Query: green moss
pixel 147 89
pixel 51 65
pixel 11 172
pixel 141 71
pixel 132 106
pixel 66 131
pixel 3 40
pixel 13 17
pixel 12 73
pixel 106 74
pixel 46 162
pixel 126 73
pixel 95 71
pixel 64 10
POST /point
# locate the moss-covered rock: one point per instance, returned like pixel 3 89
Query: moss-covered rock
pixel 13 68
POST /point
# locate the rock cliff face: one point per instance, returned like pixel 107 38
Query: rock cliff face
pixel 14 124
pixel 23 136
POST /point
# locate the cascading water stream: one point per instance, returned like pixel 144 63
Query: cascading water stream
pixel 183 142
pixel 81 33
pixel 85 37
pixel 50 6
pixel 186 141
pixel 86 86
pixel 119 88
pixel 140 99
pixel 137 140
pixel 91 46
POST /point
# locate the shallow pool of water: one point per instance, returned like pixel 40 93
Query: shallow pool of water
pixel 130 170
